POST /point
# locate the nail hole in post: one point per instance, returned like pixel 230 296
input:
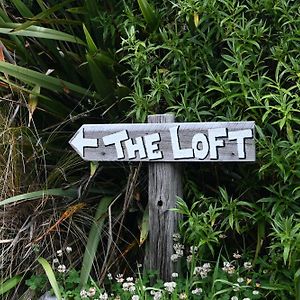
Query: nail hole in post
pixel 159 203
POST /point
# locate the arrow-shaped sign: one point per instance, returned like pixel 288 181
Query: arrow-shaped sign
pixel 79 142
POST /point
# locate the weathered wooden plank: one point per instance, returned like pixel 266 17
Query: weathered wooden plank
pixel 164 185
pixel 183 142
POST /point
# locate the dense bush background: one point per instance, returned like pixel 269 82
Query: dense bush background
pixel 111 61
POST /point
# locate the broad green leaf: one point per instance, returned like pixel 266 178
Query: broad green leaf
pixel 39 32
pixel 102 84
pixel 51 277
pixel 93 239
pixel 36 78
pixel 92 48
pixel 150 15
pixel 9 284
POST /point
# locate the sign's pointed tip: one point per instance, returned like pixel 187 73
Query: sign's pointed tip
pixel 77 141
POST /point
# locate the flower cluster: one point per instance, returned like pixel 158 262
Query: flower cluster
pixel 85 294
pixel 202 270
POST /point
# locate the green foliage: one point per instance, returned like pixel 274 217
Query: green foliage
pixel 73 62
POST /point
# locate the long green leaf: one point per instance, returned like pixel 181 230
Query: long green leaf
pixel 9 284
pixel 37 78
pixel 38 32
pixel 102 84
pixel 70 193
pixel 150 15
pixel 93 240
pixel 51 277
pixel 42 15
pixel 22 8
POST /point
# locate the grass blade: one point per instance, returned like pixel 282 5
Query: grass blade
pixel 9 284
pixel 70 193
pixel 51 277
pixel 93 240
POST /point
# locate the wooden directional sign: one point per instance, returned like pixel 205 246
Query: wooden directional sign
pixel 166 142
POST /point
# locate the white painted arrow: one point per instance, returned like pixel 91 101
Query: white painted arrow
pixel 79 142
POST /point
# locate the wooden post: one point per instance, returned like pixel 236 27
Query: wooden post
pixel 163 186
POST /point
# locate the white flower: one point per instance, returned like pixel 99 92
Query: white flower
pixel 55 261
pixel 236 287
pixel 61 268
pixel 170 286
pixel 109 276
pixel 189 258
pixel 92 292
pixel 174 275
pixel 129 279
pixel 228 267
pixel 68 249
pixel 255 292
pixel 135 297
pixel 119 278
pixel 174 257
pixel 176 237
pixel 247 265
pixel 246 299
pixel 197 291
pixel 234 298
pixel 240 280
pixel 103 296
pixel 183 296
pixel 83 294
pixel 178 248
pixel 236 255
pixel 156 295
pixel 59 252
pixel 139 265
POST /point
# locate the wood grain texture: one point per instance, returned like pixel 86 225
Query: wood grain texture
pixel 165 184
pixel 93 138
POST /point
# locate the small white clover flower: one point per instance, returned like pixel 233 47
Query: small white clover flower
pixel 234 298
pixel 176 237
pixel 157 295
pixel 92 292
pixel 174 275
pixel 103 296
pixel 247 265
pixel 83 294
pixel 119 278
pixel 170 286
pixel 255 292
pixel 183 296
pixel 197 291
pixel 61 268
pixel 68 249
pixel 240 280
pixel 129 279
pixel 228 267
pixel 55 261
pixel 109 276
pixel 174 257
pixel 59 252
pixel 135 297
pixel 236 255
pixel 189 258
pixel 236 287
pixel 246 299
